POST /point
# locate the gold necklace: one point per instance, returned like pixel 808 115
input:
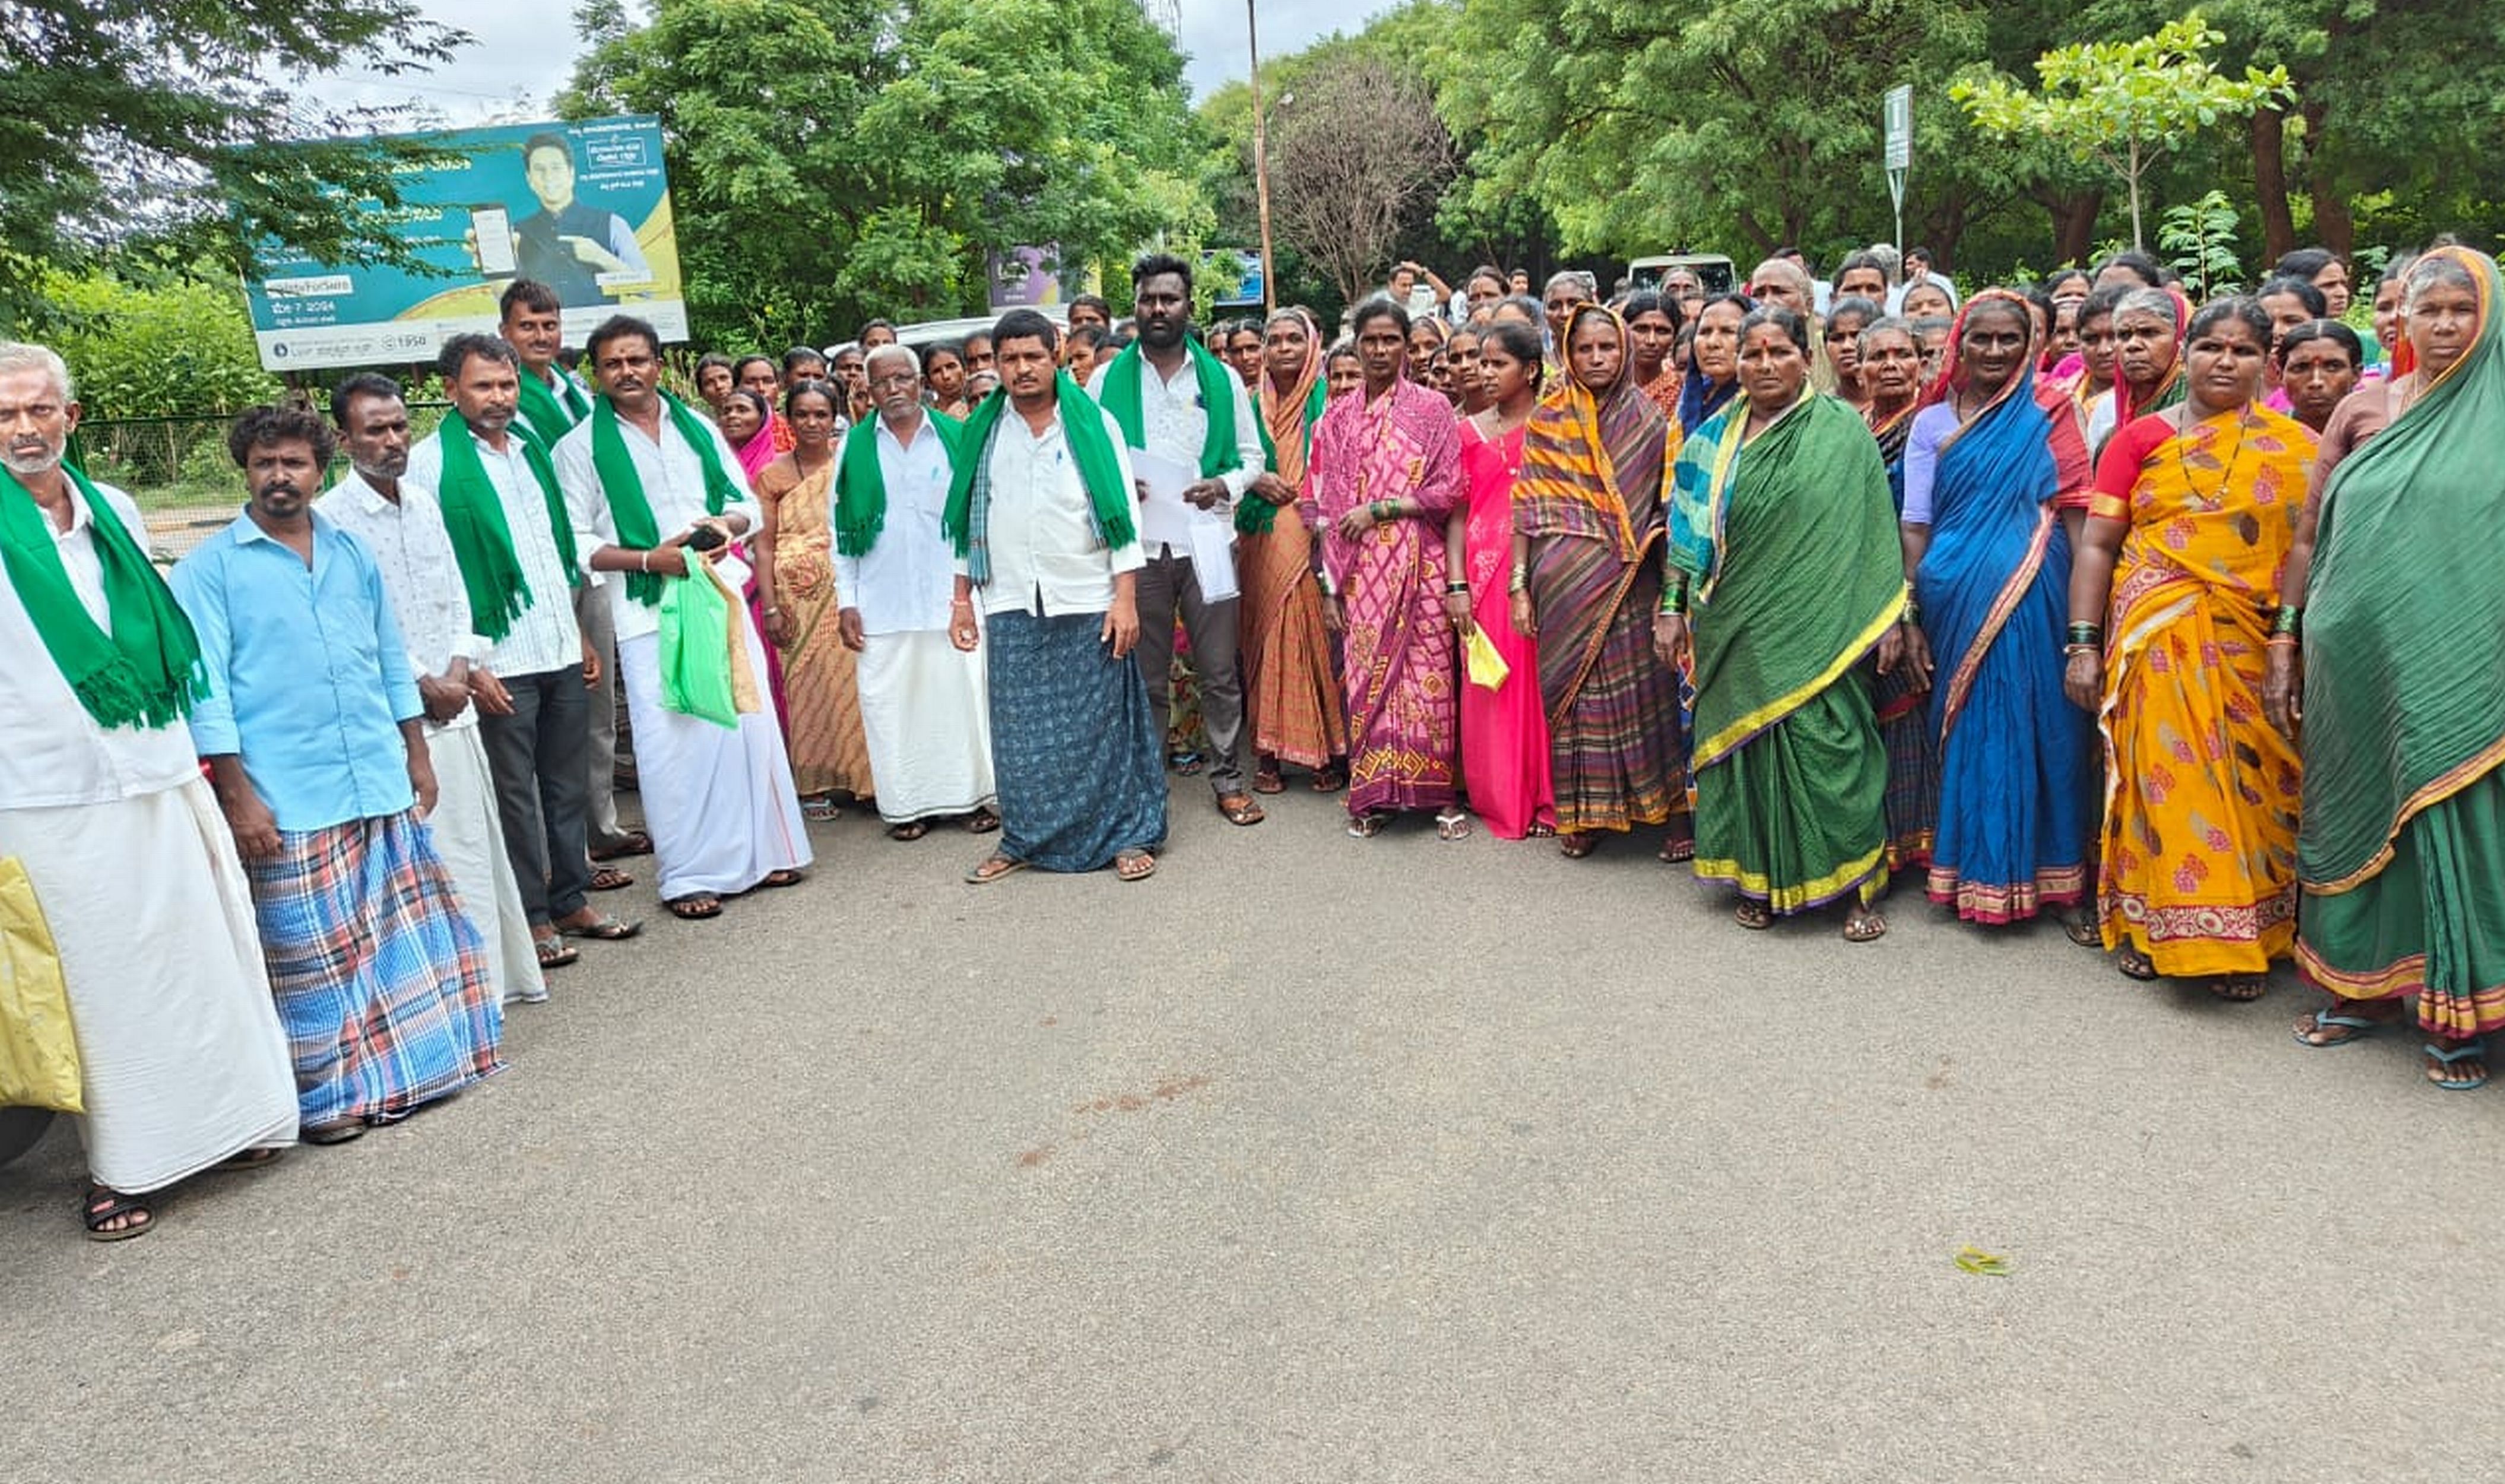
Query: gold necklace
pixel 2217 497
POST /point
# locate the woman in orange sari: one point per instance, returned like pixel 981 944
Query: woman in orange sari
pixel 2196 510
pixel 1290 698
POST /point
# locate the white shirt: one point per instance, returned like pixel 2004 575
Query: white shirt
pixel 1176 424
pixel 544 636
pixel 1045 556
pixel 52 752
pixel 420 575
pixel 903 583
pixel 673 476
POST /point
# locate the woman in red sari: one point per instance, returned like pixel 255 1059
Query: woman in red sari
pixel 1504 729
pixel 1385 474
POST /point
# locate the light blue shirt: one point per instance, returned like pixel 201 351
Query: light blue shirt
pixel 309 675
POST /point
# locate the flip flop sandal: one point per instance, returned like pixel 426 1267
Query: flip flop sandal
pixel 105 1204
pixel 1367 826
pixel 609 879
pixel 982 821
pixel 910 829
pixel 1541 832
pixel 1755 916
pixel 1677 852
pixel 1575 845
pixel 992 867
pixel 1329 780
pixel 1865 927
pixel 1240 809
pixel 695 908
pixel 776 880
pixel 2358 1027
pixel 1186 764
pixel 2136 965
pixel 1452 825
pixel 1135 866
pixel 819 811
pixel 555 952
pixel 637 843
pixel 2241 989
pixel 603 929
pixel 2084 932
pixel 248 1159
pixel 1268 780
pixel 2440 1074
pixel 336 1133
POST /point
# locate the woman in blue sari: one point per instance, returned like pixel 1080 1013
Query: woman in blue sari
pixel 1991 568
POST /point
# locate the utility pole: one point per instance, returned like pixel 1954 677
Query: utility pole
pixel 1260 157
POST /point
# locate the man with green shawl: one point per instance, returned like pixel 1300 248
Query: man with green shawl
pixel 1181 404
pixel 553 402
pixel 1045 530
pixel 656 493
pixel 103 813
pixel 1783 545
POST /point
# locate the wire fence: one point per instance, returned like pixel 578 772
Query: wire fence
pixel 178 470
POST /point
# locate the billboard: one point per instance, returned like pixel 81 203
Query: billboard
pixel 583 207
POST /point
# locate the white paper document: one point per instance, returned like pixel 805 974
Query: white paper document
pixel 1168 519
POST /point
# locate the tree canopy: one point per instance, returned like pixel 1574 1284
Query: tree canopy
pixel 843 159
pixel 182 117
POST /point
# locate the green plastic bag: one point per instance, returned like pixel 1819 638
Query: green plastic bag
pixel 696 639
pixel 39 1060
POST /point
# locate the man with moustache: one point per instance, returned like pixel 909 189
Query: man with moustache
pixel 402 526
pixel 1175 400
pixel 516 544
pixel 313 731
pixel 182 1066
pixel 552 401
pixel 1045 526
pixel 659 493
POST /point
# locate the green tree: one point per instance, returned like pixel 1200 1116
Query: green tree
pixel 2122 103
pixel 835 160
pixel 187 118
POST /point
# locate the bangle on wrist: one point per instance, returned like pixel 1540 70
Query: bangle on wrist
pixel 2083 649
pixel 2290 621
pixel 2086 633
pixel 644 561
pixel 2281 641
pixel 1457 586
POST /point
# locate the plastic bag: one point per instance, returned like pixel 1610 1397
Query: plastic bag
pixel 698 631
pixel 39 1060
pixel 1487 667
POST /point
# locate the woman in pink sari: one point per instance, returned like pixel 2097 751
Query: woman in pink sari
pixel 1385 472
pixel 1504 731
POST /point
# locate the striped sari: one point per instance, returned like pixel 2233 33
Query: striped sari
pixel 1595 466
pixel 2199 853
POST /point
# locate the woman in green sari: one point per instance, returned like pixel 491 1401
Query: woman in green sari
pixel 1783 546
pixel 2400 851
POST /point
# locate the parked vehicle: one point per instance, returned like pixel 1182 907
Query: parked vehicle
pixel 1711 270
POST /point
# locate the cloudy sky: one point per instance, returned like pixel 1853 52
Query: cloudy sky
pixel 525 51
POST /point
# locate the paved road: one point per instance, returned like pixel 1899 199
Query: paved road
pixel 1312 1159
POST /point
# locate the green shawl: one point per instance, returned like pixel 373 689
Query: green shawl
pixel 1791 547
pixel 629 507
pixel 483 542
pixel 1218 451
pixel 146 671
pixel 1255 516
pixel 2404 616
pixel 1082 427
pixel 546 419
pixel 861 484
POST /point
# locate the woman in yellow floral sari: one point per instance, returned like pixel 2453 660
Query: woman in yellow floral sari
pixel 2171 597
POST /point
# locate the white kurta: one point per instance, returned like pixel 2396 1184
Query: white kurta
pixel 183 1061
pixel 423 580
pixel 717 800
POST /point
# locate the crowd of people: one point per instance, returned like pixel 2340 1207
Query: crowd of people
pixel 2171 622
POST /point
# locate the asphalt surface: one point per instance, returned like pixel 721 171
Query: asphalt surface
pixel 1311 1158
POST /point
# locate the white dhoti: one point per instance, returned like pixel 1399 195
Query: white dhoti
pixel 471 842
pixel 928 726
pixel 717 800
pixel 182 1059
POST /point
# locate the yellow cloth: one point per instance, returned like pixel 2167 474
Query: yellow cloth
pixel 39 1060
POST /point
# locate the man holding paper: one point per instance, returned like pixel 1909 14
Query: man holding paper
pixel 1196 448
